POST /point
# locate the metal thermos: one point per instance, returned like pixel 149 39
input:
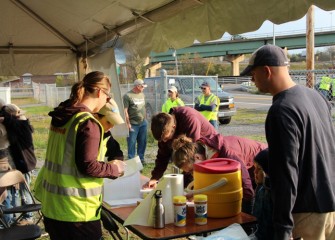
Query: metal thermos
pixel 159 212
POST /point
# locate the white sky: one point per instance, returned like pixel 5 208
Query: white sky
pixel 323 21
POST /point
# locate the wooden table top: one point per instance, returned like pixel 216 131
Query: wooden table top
pixel 171 231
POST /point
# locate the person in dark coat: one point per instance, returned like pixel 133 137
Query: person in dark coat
pixel 263 204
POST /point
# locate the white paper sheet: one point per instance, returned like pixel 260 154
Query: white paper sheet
pixel 126 189
pixel 171 185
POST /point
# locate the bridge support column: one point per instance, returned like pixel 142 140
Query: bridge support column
pixel 235 63
pixel 151 71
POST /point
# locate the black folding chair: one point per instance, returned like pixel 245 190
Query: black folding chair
pixel 110 225
pixel 11 178
pixel 25 232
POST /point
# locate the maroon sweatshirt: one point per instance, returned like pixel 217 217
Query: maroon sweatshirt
pixel 87 141
pixel 240 149
pixel 188 121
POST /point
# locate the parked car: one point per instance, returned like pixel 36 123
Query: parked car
pixel 188 88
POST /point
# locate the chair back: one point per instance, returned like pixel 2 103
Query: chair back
pixel 10 178
pixel 13 178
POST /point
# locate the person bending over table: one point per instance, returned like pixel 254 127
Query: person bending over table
pixel 186 153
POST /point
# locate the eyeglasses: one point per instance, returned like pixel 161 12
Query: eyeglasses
pixel 203 88
pixel 109 96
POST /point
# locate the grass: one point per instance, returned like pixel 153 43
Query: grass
pixel 249 116
pixel 38 116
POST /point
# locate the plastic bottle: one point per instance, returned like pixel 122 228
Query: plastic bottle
pixel 179 203
pixel 200 209
pixel 159 212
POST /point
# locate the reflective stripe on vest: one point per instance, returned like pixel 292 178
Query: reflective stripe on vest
pixel 66 194
pixel 333 87
pixel 210 115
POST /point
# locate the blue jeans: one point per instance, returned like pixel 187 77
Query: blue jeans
pixel 17 198
pixel 12 200
pixel 137 134
pixel 215 124
pixel 25 196
pixel 325 93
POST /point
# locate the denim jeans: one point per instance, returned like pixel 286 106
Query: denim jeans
pixel 25 196
pixel 17 198
pixel 215 124
pixel 137 134
pixel 12 200
pixel 325 93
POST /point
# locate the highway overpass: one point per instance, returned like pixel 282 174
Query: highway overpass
pixel 234 50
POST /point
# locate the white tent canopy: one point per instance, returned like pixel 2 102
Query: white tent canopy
pixel 44 37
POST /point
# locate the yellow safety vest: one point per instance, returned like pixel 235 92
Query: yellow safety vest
pixel 333 87
pixel 210 115
pixel 65 193
pixel 325 83
pixel 170 104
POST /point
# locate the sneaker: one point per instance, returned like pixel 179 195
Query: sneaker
pixel 24 222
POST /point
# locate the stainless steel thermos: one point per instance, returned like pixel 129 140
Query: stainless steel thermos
pixel 159 211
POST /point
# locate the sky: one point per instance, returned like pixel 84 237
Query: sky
pixel 323 20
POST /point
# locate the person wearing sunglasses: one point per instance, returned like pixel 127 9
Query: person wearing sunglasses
pixel 135 117
pixel 207 104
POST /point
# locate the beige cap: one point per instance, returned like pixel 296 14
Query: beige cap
pixel 111 112
pixel 173 89
pixel 140 82
pixel 14 110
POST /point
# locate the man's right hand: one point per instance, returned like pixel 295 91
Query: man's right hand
pixel 151 184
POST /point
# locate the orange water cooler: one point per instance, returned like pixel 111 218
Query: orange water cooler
pixel 220 179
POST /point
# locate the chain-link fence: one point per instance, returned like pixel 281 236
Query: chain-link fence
pixel 321 80
pixel 156 93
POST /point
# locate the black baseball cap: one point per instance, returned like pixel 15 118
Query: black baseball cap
pixel 204 84
pixel 267 55
pixel 262 158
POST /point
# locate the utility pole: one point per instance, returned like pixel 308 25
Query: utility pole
pixel 310 47
pixel 176 60
pixel 273 34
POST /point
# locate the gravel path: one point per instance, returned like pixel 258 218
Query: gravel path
pixel 243 129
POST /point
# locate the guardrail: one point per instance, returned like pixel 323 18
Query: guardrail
pixel 299 76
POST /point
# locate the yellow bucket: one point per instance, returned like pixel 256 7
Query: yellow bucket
pixel 220 179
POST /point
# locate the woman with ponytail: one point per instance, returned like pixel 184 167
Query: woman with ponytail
pixel 69 184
